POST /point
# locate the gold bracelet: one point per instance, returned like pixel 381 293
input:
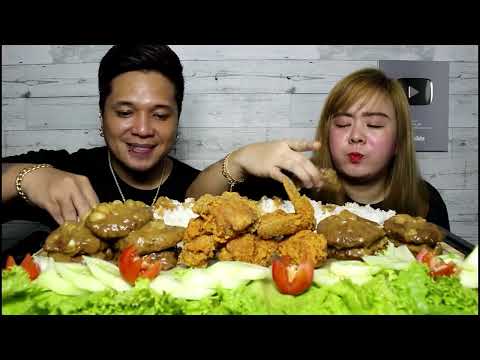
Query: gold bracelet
pixel 226 174
pixel 21 175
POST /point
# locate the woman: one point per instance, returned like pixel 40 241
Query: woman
pixel 141 92
pixel 364 134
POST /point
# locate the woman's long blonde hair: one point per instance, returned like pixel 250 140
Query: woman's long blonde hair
pixel 407 191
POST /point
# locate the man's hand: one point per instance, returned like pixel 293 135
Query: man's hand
pixel 66 196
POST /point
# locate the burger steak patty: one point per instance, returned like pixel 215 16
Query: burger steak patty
pixel 347 230
pixel 413 230
pixel 153 237
pixel 357 253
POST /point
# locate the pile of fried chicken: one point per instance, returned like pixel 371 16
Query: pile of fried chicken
pixel 232 227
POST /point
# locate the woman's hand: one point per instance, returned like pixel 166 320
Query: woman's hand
pixel 268 159
pixel 64 195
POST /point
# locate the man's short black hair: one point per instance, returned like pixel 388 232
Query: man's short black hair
pixel 124 58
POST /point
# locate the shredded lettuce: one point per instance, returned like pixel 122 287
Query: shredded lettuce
pixel 408 291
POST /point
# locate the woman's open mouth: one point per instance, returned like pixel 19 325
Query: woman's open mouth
pixel 355 157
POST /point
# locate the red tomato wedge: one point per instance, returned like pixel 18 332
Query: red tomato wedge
pixel 129 264
pixel 424 256
pixel 443 269
pixel 150 270
pixel 132 266
pixel 30 267
pixel 437 266
pixel 10 262
pixel 290 279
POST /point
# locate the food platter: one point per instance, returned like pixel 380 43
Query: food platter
pixel 391 281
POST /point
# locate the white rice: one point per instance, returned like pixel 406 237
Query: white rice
pixel 181 215
pixel 379 216
pixel 367 212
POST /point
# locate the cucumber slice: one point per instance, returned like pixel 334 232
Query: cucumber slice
pixel 325 277
pixel 471 262
pixel 360 279
pixel 199 278
pixel 231 274
pixel 44 262
pixel 166 283
pixel 80 276
pixel 107 273
pixel 469 278
pixel 351 268
pixel 50 280
pixel 386 262
pixel 192 293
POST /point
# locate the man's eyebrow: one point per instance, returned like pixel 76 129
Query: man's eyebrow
pixel 128 103
pixel 120 103
pixel 376 113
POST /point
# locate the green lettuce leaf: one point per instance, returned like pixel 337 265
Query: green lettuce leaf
pixel 409 291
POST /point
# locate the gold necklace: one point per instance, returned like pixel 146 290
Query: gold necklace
pixel 164 167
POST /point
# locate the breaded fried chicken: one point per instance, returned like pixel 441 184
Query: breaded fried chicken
pixel 279 223
pixel 305 244
pixel 198 251
pixel 249 248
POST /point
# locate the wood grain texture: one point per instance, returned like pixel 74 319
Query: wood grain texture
pixel 50 54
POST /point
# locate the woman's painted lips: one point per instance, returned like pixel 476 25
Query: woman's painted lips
pixel 355 157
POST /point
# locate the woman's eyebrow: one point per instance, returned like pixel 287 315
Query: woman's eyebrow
pixel 376 113
pixel 341 113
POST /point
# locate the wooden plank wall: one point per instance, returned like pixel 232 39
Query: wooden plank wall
pixel 236 95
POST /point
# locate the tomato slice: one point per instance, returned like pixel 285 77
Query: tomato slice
pixel 150 270
pixel 10 262
pixel 443 269
pixel 290 279
pixel 30 267
pixel 129 264
pixel 425 256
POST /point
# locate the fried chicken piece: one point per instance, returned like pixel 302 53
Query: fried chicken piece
pixel 118 219
pixel 227 215
pixel 153 237
pixel 72 238
pixel 356 253
pixel 249 248
pixel 305 244
pixel 195 228
pixel 347 230
pixel 198 251
pixel 413 230
pixel 279 223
